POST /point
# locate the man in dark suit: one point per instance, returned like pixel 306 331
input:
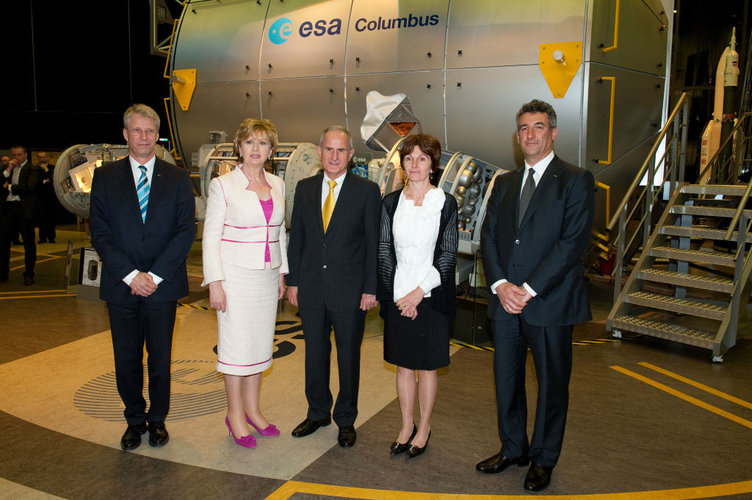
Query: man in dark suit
pixel 142 225
pixel 20 211
pixel 535 231
pixel 332 280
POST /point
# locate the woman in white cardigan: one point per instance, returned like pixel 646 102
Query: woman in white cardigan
pixel 245 260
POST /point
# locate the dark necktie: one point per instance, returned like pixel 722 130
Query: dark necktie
pixel 527 194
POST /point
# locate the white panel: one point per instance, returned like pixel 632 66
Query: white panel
pixel 396 35
pixel 301 37
pixel 220 40
pixel 506 32
pixel 302 108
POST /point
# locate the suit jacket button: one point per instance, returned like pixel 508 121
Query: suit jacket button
pixel 324 266
pixel 516 242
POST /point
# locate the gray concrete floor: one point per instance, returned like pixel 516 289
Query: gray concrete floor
pixel 647 418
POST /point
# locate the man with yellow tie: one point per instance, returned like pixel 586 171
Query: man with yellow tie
pixel 332 280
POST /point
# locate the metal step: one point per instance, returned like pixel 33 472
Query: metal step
pixel 714 189
pixel 704 233
pixel 668 331
pixel 711 283
pixel 696 256
pixel 677 305
pixel 704 211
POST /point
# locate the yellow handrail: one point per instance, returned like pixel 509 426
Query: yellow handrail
pixel 616 30
pixel 169 48
pixel 174 150
pixel 610 119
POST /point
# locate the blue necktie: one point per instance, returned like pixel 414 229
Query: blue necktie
pixel 143 192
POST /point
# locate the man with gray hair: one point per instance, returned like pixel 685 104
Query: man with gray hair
pixel 142 225
pixel 332 280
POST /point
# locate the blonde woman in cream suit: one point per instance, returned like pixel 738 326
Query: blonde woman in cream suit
pixel 245 260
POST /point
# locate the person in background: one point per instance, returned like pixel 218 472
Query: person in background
pixel 20 212
pixel 245 262
pixel 416 286
pixel 48 199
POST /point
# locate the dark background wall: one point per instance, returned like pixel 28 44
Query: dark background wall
pixel 70 69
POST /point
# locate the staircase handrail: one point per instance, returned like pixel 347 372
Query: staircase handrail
pixel 641 173
pixel 717 154
pixel 748 191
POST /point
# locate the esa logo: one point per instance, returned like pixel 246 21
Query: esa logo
pixel 282 29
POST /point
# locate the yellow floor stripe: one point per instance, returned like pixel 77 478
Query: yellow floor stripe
pixel 698 385
pixel 31 291
pixel 291 488
pixel 39 261
pixel 38 296
pixel 685 397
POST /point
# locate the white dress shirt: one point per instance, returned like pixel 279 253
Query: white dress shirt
pixel 539 169
pixel 136 176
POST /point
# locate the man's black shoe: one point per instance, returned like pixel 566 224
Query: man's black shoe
pixel 309 426
pixel 498 463
pixel 132 437
pixel 158 435
pixel 346 436
pixel 538 477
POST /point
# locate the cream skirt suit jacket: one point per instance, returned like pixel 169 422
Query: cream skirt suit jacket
pixel 234 243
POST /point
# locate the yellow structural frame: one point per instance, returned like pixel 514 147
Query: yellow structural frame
pixel 559 72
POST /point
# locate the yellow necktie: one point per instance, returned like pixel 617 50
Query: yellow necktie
pixel 326 212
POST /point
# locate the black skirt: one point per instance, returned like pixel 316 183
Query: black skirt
pixel 419 344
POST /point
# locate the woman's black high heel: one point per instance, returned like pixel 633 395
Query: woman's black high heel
pixel 398 447
pixel 413 451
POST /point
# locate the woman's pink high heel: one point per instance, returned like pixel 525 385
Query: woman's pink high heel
pixel 245 441
pixel 270 430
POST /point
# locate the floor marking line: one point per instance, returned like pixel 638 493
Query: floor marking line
pixel 698 385
pixel 685 397
pixel 32 291
pixel 290 488
pixel 38 296
pixel 37 262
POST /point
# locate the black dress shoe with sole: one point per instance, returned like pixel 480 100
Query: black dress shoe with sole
pixel 413 451
pixel 499 462
pixel 346 436
pixel 132 437
pixel 538 477
pixel 398 448
pixel 158 435
pixel 309 426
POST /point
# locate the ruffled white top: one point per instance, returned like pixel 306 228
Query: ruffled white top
pixel 415 230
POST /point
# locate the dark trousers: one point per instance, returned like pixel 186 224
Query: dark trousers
pixel 132 326
pixel 47 220
pixel 348 335
pixel 12 222
pixel 551 349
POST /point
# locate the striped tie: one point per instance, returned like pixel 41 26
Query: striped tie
pixel 143 192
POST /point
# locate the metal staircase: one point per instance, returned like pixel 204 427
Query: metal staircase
pixel 688 270
pixel 688 284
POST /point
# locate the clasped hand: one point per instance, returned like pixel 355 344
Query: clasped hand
pixel 408 305
pixel 143 285
pixel 513 298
